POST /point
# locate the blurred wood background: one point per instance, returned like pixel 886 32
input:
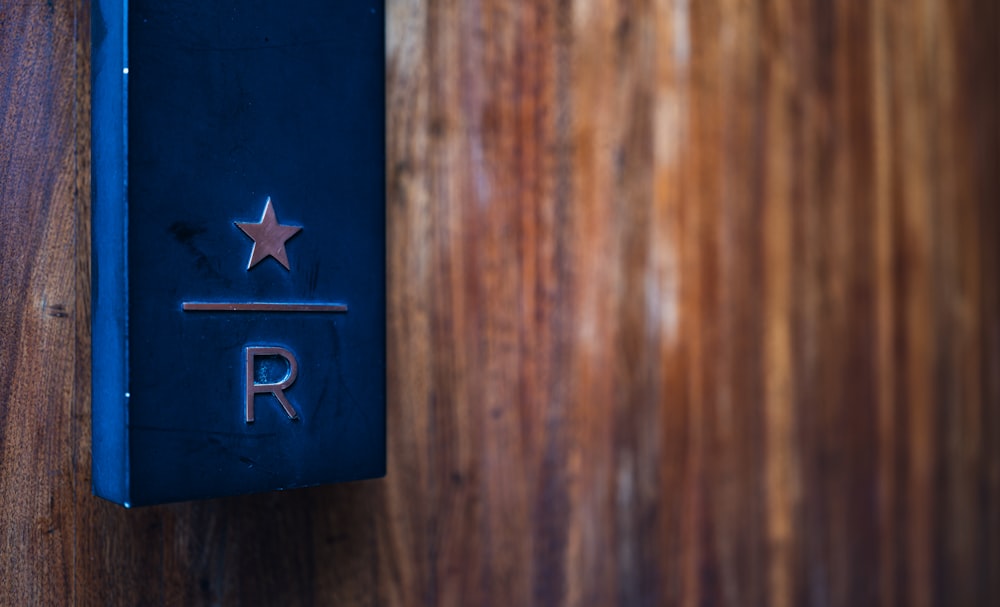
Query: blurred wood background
pixel 691 303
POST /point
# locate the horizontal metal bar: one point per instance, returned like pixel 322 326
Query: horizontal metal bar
pixel 261 307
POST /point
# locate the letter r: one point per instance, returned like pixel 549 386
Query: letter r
pixel 277 389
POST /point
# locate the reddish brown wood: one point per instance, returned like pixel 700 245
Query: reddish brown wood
pixel 691 303
pixel 37 301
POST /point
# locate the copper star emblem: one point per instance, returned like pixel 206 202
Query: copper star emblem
pixel 269 237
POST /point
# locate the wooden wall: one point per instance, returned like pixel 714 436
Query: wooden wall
pixel 691 303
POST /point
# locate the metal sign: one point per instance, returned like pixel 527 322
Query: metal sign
pixel 238 246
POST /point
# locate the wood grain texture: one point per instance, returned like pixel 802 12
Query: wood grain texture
pixel 37 301
pixel 691 303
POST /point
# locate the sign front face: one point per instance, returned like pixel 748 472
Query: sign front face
pixel 239 246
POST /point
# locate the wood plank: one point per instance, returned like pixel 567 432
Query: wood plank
pixel 37 301
pixel 690 304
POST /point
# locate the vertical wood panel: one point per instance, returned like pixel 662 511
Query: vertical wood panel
pixel 690 303
pixel 37 301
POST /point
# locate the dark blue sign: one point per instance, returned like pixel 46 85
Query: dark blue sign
pixel 238 246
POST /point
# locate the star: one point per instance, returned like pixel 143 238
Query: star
pixel 269 237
